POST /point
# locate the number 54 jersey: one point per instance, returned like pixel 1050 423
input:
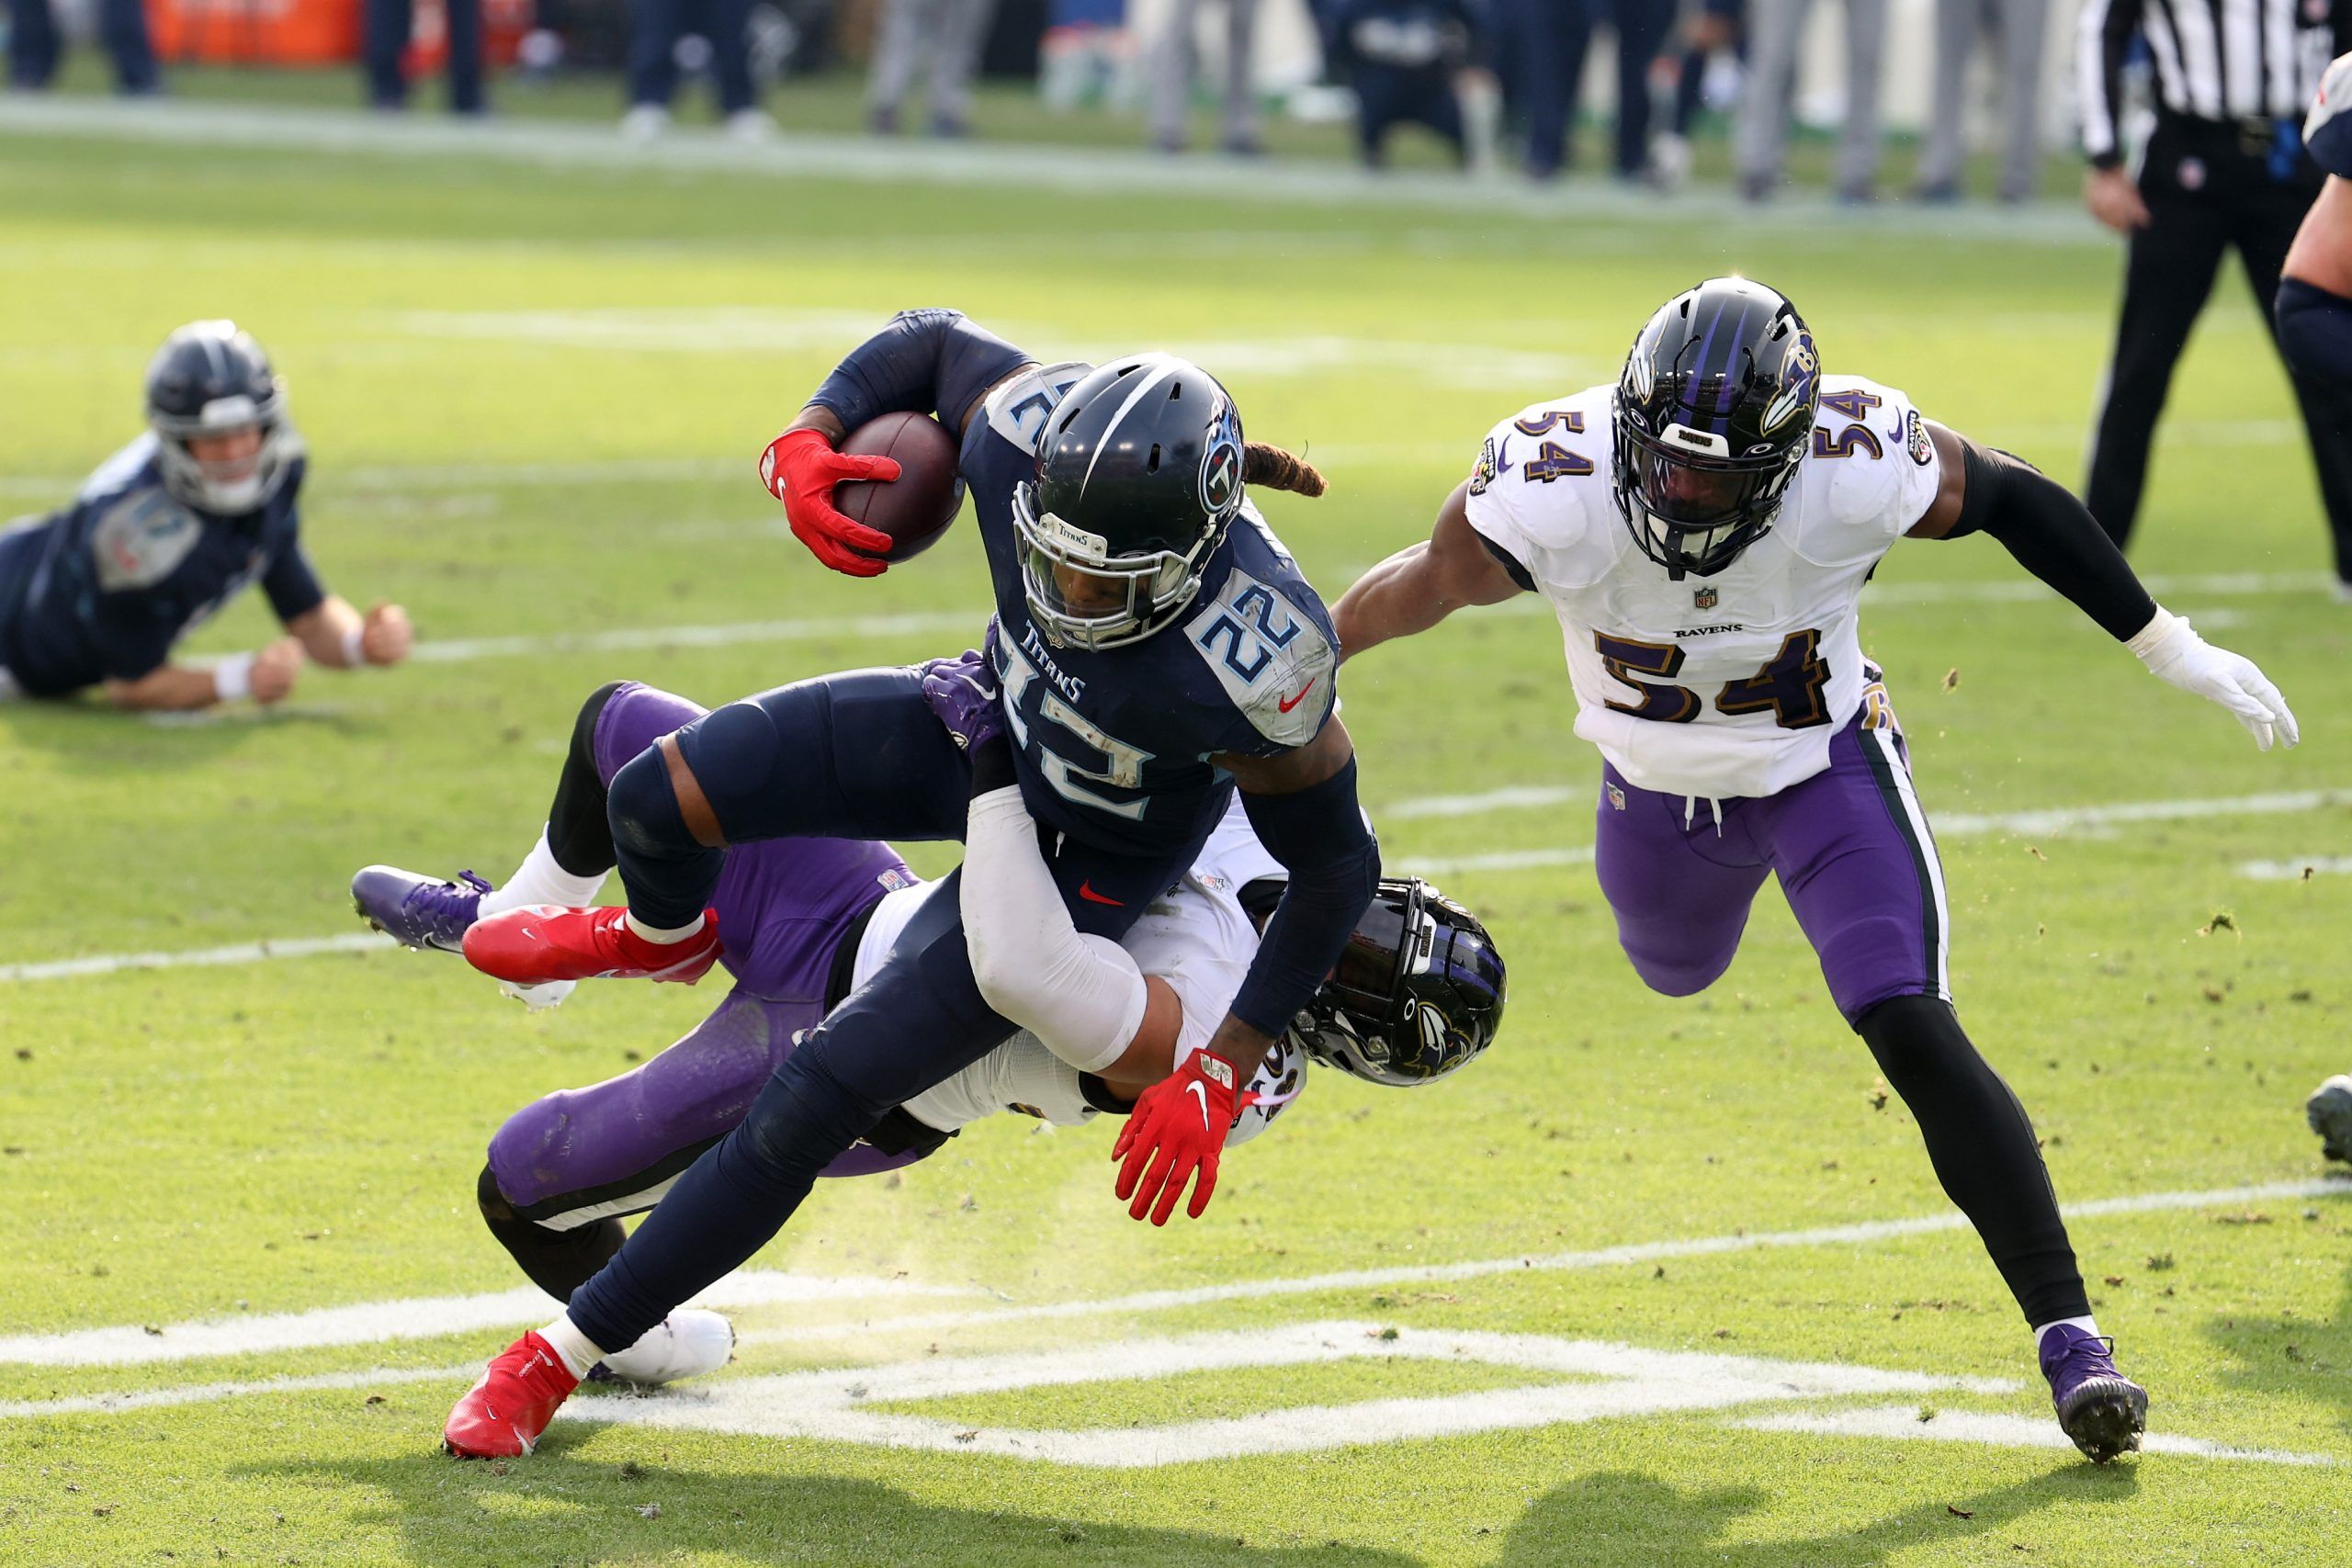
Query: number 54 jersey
pixel 1724 686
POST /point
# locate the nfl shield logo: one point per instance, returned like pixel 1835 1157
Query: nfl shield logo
pixel 1616 797
pixel 1702 598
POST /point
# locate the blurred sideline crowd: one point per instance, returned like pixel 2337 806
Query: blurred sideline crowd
pixel 1497 83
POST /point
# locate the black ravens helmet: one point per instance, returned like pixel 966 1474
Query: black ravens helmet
pixel 1418 992
pixel 1714 413
pixel 1138 477
pixel 211 379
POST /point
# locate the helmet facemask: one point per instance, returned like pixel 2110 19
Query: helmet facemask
pixel 1691 505
pixel 1082 595
pixel 228 487
pixel 1390 1012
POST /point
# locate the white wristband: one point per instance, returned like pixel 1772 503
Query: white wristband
pixel 2157 635
pixel 354 656
pixel 234 678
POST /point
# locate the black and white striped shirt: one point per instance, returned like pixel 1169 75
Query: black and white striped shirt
pixel 2223 61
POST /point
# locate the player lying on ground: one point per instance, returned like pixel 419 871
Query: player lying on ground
pixel 821 916
pixel 1703 529
pixel 1158 648
pixel 167 530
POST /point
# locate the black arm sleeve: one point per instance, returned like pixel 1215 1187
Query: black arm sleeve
pixel 1320 836
pixel 933 362
pixel 2054 537
pixel 1510 563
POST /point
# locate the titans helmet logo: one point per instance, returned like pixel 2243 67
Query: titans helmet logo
pixel 1221 469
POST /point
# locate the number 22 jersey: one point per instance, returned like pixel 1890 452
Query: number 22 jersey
pixel 1726 686
pixel 1113 746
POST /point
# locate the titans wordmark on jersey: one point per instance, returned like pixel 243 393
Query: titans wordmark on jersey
pixel 1114 746
pixel 1723 686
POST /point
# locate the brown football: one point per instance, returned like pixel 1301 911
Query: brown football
pixel 915 508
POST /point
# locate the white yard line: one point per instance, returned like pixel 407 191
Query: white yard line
pixel 1901 1422
pixel 2055 820
pixel 235 952
pixel 2297 870
pixel 415 1317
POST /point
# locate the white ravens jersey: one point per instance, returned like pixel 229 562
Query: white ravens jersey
pixel 1723 687
pixel 1196 937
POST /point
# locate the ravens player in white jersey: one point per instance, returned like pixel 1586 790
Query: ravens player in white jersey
pixel 1703 529
pixel 167 530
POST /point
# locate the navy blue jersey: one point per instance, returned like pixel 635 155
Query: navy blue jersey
pixel 1113 744
pixel 2328 131
pixel 103 588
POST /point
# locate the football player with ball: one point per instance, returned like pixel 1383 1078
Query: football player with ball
pixel 1156 648
pixel 1703 529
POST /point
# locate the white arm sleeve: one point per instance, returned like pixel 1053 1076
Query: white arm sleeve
pixel 1081 995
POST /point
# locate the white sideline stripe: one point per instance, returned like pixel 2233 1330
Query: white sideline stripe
pixel 1901 1421
pixel 415 1317
pixel 2059 819
pixel 1600 1258
pixel 235 952
pixel 2295 870
pixel 1084 171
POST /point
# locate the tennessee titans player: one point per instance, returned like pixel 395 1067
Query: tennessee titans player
pixel 1157 648
pixel 2314 305
pixel 1417 994
pixel 168 530
pixel 1703 529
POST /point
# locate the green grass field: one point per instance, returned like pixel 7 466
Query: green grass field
pixel 533 394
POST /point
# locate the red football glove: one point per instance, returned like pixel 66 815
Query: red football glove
pixel 800 469
pixel 1182 1120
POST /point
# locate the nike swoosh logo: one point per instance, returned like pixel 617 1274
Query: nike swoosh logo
pixel 1197 1092
pixel 1086 891
pixel 1896 434
pixel 1296 697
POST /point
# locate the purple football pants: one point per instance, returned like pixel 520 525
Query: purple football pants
pixel 614 1147
pixel 1850 846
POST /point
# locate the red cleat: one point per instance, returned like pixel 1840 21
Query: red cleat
pixel 539 942
pixel 502 1415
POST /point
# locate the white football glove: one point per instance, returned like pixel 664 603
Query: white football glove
pixel 2176 655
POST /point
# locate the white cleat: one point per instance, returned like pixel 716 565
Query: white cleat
pixel 539 998
pixel 645 122
pixel 688 1343
pixel 752 126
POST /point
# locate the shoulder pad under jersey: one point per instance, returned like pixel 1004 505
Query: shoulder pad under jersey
pixel 141 538
pixel 1272 660
pixel 1017 409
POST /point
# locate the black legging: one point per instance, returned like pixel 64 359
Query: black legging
pixel 1983 1148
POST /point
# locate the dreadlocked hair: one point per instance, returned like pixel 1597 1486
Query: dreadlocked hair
pixel 1270 465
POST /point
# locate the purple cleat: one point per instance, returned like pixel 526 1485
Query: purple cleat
pixel 2101 1409
pixel 418 911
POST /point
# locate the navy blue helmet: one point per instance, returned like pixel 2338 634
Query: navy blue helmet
pixel 211 379
pixel 1139 477
pixel 1418 992
pixel 1715 412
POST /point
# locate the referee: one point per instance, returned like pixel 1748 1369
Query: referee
pixel 2224 167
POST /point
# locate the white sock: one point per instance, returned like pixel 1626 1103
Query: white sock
pixel 574 1348
pixel 539 880
pixel 663 936
pixel 2086 1324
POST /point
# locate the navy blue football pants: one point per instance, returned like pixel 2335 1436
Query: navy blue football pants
pixel 2315 331
pixel 850 756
